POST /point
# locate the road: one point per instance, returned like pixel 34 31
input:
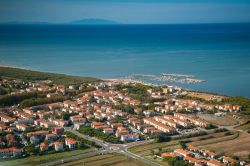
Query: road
pixel 106 148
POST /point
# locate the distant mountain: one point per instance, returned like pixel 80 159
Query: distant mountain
pixel 19 22
pixel 94 21
pixel 88 21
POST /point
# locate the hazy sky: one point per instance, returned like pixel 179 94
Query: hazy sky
pixel 126 11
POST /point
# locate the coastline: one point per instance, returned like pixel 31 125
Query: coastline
pixel 121 80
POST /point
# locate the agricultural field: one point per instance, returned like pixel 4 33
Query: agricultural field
pixel 239 146
pixel 105 160
pixel 36 160
pixel 148 150
pixel 226 120
pixel 245 126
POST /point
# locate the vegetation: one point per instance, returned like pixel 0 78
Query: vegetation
pixel 196 134
pixel 82 140
pixel 41 101
pixel 99 134
pixel 211 126
pixel 161 137
pixel 241 101
pixel 4 91
pixel 125 108
pixel 176 162
pixel 11 99
pixel 139 91
pixel 29 75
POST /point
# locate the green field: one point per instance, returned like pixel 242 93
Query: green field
pixel 113 159
pixel 36 160
pixel 29 75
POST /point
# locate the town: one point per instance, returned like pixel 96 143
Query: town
pixel 111 111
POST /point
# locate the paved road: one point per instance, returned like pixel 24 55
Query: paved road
pixel 106 148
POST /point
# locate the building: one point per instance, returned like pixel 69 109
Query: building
pixel 158 125
pixel 11 152
pixel 58 146
pixel 168 154
pixel 44 146
pixel 22 127
pixel 182 152
pixel 228 160
pixel 213 162
pixel 57 130
pixel 129 137
pixel 71 143
pixel 108 131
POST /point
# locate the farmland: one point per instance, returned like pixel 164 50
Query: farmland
pixel 105 160
pixel 36 160
pixel 204 141
pixel 235 147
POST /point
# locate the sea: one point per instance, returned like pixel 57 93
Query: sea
pixel 218 54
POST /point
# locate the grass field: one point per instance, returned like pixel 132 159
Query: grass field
pixel 222 121
pixel 36 160
pixel 106 160
pixel 239 146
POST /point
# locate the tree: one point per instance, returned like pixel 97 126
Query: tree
pixel 183 144
pixel 30 149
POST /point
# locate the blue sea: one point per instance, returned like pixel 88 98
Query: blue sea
pixel 216 53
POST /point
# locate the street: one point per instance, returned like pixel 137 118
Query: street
pixel 106 148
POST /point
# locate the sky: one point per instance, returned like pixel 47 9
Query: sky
pixel 126 11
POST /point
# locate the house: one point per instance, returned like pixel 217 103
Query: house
pixel 193 148
pixel 129 137
pixel 11 152
pixel 108 130
pixel 168 154
pixel 60 122
pixel 165 121
pixel 147 113
pixel 228 160
pixel 121 131
pixel 71 143
pixel 7 119
pixel 148 130
pixel 182 152
pixel 57 130
pixel 34 140
pixel 116 125
pixel 210 154
pixel 95 124
pixel 58 146
pixel 78 125
pixel 51 137
pixel 159 125
pixel 213 162
pixel 44 146
pixel 22 127
pixel 193 160
pixel 37 133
